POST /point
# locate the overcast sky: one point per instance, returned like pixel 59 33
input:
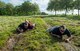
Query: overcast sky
pixel 42 5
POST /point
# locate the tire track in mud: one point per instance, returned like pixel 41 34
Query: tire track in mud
pixel 11 42
pixel 68 46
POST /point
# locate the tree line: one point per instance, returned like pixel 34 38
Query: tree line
pixel 64 5
pixel 26 8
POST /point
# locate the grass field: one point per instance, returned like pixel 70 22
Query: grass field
pixel 37 39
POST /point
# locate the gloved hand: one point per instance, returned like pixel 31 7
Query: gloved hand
pixel 67 40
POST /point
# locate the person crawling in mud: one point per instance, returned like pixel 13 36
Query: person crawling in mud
pixel 59 31
pixel 25 26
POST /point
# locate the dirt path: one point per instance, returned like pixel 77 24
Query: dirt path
pixel 11 42
pixel 68 46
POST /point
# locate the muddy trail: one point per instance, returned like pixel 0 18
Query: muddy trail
pixel 11 42
pixel 69 46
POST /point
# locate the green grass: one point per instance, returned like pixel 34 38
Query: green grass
pixel 37 39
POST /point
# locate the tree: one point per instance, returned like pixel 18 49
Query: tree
pixel 2 6
pixel 54 5
pixel 59 5
pixel 77 5
pixel 17 10
pixel 43 13
pixel 27 8
pixel 72 6
pixel 9 9
pixel 66 5
pixel 35 9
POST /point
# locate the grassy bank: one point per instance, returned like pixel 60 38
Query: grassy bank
pixel 37 39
